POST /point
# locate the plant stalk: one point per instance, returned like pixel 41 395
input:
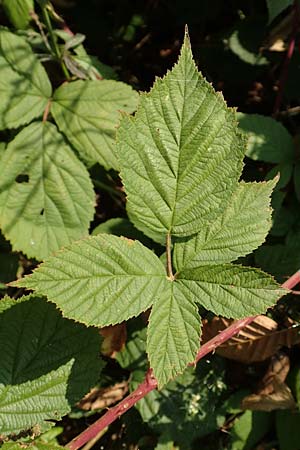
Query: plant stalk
pixel 54 45
pixel 110 190
pixel 150 382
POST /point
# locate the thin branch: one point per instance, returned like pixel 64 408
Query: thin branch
pixel 150 382
pixel 93 441
pixel 54 44
pixel 148 385
pixel 36 19
pixel 169 257
pixel 289 54
pixel 109 189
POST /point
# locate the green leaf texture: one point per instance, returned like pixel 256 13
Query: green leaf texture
pixel 181 155
pixel 230 290
pixel 173 333
pixel 87 112
pixel 101 280
pixel 48 363
pixel 24 85
pixel 240 229
pixel 46 196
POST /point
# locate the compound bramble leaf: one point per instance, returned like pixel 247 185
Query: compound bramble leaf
pixel 101 280
pixel 230 290
pixel 48 363
pixel 46 196
pixel 240 229
pixel 87 112
pixel 180 158
pixel 25 88
pixel 181 155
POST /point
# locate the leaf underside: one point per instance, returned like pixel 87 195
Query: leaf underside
pixel 180 158
pixel 242 227
pixel 181 155
pixel 100 281
pixel 173 333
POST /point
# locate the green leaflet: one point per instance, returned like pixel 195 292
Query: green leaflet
pixel 87 112
pixel 101 280
pixel 48 363
pixel 18 11
pixel 173 333
pixel 46 196
pixel 181 155
pixel 230 290
pixel 268 139
pixel 24 85
pixel 240 229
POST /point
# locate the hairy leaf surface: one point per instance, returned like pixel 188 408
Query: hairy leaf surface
pixel 241 228
pixel 181 155
pixel 24 85
pixel 47 364
pixel 46 196
pixel 181 158
pixel 87 112
pixel 230 290
pixel 100 281
pixel 173 333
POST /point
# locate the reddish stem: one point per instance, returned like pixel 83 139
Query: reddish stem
pixel 47 110
pixel 148 385
pixel 288 57
pixel 150 382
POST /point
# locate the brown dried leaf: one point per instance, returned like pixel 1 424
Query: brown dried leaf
pixel 256 342
pixel 114 339
pixel 103 397
pixel 279 366
pixel 281 398
pixel 273 392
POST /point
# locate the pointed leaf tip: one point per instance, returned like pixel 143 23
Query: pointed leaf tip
pixel 180 155
pixel 186 40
